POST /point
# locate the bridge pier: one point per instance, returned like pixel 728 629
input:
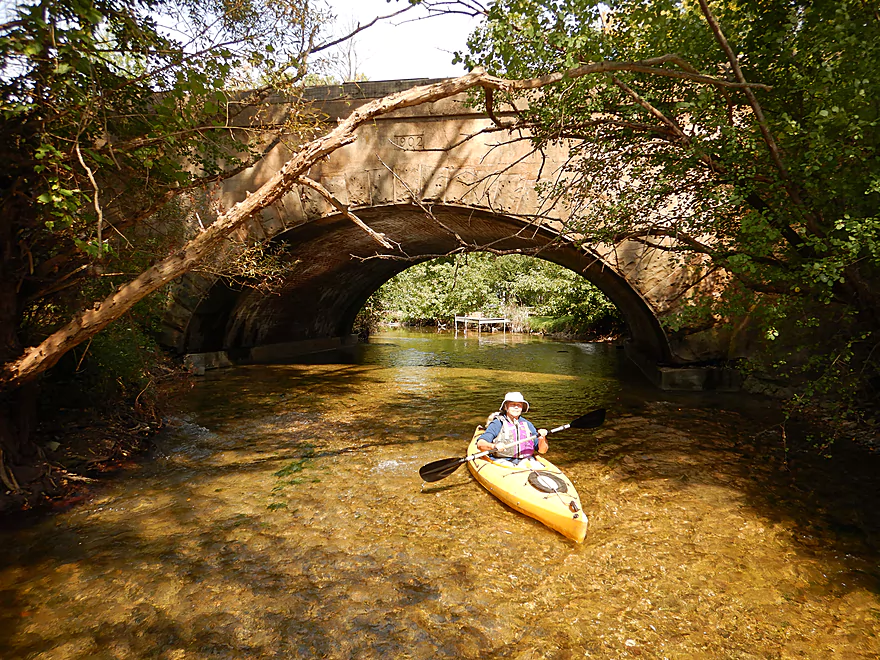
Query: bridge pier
pixel 687 378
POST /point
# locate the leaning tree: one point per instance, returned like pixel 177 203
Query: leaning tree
pixel 108 121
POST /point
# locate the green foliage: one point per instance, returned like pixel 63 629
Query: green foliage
pixel 785 201
pixel 120 361
pixel 578 304
pixel 106 116
pixel 369 317
pixel 119 365
pixel 115 121
pixel 437 290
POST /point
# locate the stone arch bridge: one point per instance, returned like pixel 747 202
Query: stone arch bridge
pixel 413 177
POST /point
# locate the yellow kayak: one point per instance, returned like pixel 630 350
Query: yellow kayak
pixel 544 494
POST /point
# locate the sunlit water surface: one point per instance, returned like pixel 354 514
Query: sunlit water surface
pixel 282 516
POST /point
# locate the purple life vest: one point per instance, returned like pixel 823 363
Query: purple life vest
pixel 519 432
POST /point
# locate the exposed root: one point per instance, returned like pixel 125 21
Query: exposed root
pixel 8 477
pixel 76 477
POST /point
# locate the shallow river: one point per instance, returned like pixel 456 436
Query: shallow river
pixel 282 516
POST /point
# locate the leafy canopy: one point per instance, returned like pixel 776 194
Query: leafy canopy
pixel 778 187
pixel 112 109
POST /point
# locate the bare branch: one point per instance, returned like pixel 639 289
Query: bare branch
pixel 346 211
pixel 357 29
pixel 464 249
pixel 651 66
pixel 471 8
pixel 98 210
pixel 490 110
pixel 417 200
pixel 672 124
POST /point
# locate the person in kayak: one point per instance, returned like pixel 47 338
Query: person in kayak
pixel 508 425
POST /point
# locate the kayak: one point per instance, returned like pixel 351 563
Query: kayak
pixel 542 493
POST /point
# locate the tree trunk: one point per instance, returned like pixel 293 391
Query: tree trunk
pixel 18 455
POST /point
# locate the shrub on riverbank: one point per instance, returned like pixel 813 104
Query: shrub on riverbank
pixel 570 327
pixel 96 410
pixel 515 287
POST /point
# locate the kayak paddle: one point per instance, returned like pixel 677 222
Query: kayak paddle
pixel 437 470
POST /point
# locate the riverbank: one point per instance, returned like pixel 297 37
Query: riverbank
pixel 80 444
pixel 76 450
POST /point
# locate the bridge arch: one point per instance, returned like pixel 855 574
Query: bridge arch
pixel 482 184
pixel 335 270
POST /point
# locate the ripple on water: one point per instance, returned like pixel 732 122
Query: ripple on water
pixel 289 521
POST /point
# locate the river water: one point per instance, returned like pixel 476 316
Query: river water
pixel 282 516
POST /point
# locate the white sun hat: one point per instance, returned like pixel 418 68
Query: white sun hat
pixel 516 397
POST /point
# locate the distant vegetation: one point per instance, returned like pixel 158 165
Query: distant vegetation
pixel 535 295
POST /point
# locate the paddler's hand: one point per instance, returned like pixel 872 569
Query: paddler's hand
pixel 482 445
pixel 543 445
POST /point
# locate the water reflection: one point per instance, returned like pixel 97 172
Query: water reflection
pixel 283 517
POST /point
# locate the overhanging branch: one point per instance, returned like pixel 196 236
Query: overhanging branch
pixel 346 211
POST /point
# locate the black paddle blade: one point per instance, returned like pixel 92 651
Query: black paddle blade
pixel 437 470
pixel 589 421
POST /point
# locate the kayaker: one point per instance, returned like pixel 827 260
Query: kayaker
pixel 509 425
